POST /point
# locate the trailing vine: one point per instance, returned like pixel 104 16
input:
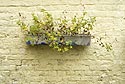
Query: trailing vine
pixel 54 30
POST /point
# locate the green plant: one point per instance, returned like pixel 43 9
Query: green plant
pixel 54 30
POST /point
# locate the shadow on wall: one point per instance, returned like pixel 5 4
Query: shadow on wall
pixel 50 59
pixel 44 50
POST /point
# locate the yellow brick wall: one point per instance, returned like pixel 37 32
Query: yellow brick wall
pixel 21 64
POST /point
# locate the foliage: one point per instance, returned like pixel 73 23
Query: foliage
pixel 54 30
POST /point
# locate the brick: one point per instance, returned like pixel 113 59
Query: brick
pixel 72 82
pixel 88 73
pixel 22 3
pixel 114 14
pixel 4 51
pixel 109 2
pixel 122 75
pixel 20 57
pixel 35 83
pixel 64 7
pixel 122 81
pixel 11 62
pixel 84 81
pixel 76 78
pixel 2 57
pixel 123 69
pixel 54 2
pixel 105 7
pixel 61 73
pixel 52 79
pixel 25 68
pixel 30 62
pixel 7 68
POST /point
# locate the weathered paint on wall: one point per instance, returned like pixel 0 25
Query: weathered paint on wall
pixel 20 64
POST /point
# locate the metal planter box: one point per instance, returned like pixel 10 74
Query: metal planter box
pixel 83 40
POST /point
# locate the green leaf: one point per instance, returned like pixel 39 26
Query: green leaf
pixel 35 18
pixel 43 10
pixel 70 46
pixel 66 49
pixel 59 49
pixel 19 22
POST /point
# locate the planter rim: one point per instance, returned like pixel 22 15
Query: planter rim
pixel 69 35
pixel 76 35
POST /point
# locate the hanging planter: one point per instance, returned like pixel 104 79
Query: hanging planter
pixel 83 40
pixel 61 34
